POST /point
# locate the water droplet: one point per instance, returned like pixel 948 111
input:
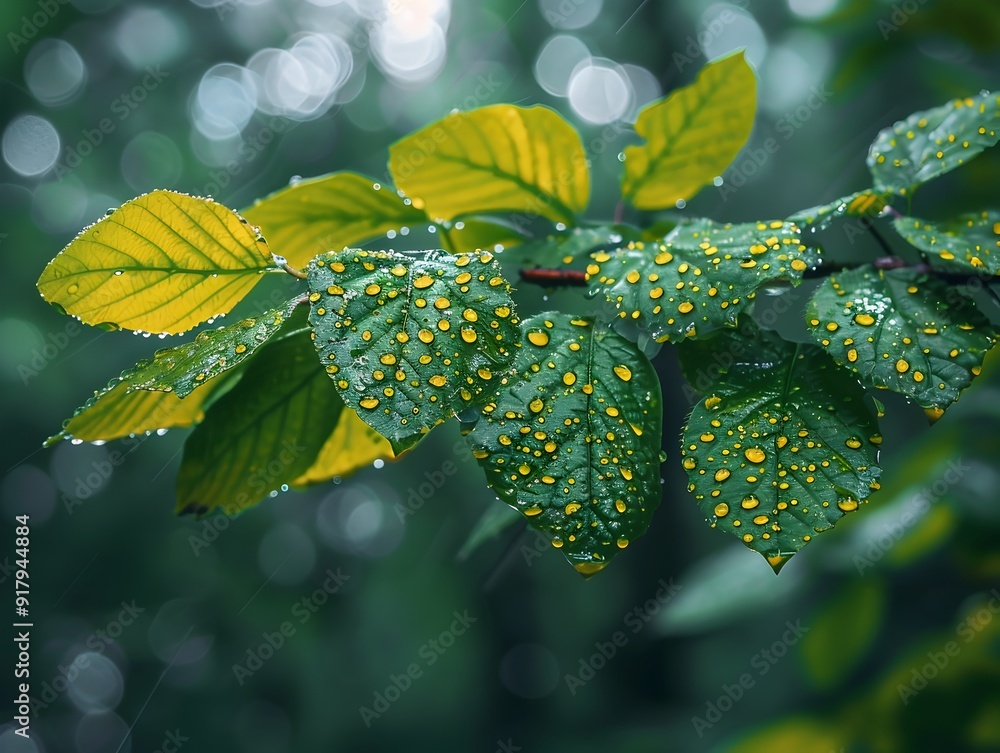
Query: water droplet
pixel 161 432
pixel 284 487
pixel 621 156
pixel 404 230
pixel 431 229
pixel 109 212
pixel 295 180
pixel 681 204
pixel 119 272
pixel 717 180
pixel 560 226
pixel 379 463
pixel 377 186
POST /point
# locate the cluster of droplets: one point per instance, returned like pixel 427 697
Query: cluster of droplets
pixel 421 336
pixel 696 280
pixel 564 442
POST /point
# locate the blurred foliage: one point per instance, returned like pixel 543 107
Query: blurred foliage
pixel 103 532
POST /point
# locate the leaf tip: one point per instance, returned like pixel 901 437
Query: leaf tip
pixel 589 568
pixel 934 414
pixel 778 561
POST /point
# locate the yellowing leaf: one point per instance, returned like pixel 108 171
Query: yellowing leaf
pixel 328 213
pixel 352 446
pixel 499 158
pixel 798 734
pixel 163 262
pixel 263 433
pixel 692 135
pixel 115 413
pixel 474 235
pixel 842 631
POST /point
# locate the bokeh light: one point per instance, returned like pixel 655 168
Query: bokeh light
pixel 556 60
pixel 600 92
pixel 54 72
pixel 30 145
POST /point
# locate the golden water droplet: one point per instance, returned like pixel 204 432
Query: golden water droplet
pixel 373 289
pixel 468 334
pixel 424 281
pixel 755 455
pixel 569 378
pixel 541 339
pixel 749 503
pixel 721 509
pixel 368 402
pixel 722 474
pixel 864 320
pixel 848 505
pixel 686 308
pixel 902 366
pixel 853 443
pixel 536 405
pixel 623 372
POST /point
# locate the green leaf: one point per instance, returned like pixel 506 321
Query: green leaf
pixel 700 277
pixel 782 447
pixel 858 204
pixel 117 412
pixel 933 142
pixel 163 262
pixel 499 158
pixel 410 338
pixel 573 440
pixel 468 235
pixel 692 135
pixel 968 243
pixel 901 330
pixel 352 446
pixel 314 216
pixel 562 249
pixel 845 627
pixel 184 368
pixel 494 521
pixel 263 433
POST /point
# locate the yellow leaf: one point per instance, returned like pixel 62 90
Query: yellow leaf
pixel 117 413
pixel 328 213
pixel 799 734
pixel 352 446
pixel 479 234
pixel 692 135
pixel 499 158
pixel 162 262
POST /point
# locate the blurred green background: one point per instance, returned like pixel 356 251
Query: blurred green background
pixel 164 626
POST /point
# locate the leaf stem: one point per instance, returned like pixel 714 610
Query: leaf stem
pixel 282 263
